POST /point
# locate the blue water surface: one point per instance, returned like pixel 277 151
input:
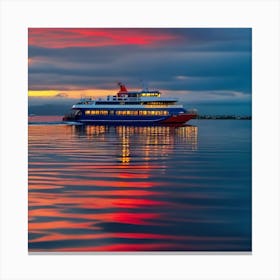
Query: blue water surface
pixel 127 189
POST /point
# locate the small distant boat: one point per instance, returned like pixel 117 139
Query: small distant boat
pixel 130 107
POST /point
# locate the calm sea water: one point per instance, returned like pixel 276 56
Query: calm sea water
pixel 125 188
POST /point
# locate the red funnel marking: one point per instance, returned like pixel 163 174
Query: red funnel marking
pixel 122 90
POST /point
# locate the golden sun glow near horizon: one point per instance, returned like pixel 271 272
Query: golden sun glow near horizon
pixel 70 93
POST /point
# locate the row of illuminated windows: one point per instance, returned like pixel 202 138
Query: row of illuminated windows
pixel 150 94
pixel 156 113
pixel 96 112
pixel 158 103
pixel 142 112
pixel 127 112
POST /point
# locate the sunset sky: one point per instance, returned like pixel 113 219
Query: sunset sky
pixel 194 64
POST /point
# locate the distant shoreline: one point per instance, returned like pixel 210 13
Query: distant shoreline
pixel 223 117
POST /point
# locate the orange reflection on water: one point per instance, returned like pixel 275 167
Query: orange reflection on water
pixel 122 217
pixel 56 224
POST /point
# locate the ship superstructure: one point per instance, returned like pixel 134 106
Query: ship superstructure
pixel 130 107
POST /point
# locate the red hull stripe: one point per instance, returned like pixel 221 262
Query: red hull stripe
pixel 180 118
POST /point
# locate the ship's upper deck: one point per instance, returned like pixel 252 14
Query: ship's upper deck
pixel 124 97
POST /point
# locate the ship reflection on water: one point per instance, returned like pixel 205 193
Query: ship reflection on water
pixel 154 141
pixel 126 188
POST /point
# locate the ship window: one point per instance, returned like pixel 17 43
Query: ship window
pixel 87 112
pixel 143 112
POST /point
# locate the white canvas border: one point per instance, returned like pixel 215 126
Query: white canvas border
pixel 262 16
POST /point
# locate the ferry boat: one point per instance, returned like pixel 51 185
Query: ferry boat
pixel 130 107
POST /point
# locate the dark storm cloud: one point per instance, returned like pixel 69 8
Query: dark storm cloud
pixel 199 59
pixel 81 54
pixel 202 71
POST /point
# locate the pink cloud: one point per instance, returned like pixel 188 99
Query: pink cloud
pixel 96 37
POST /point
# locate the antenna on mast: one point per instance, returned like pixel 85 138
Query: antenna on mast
pixel 144 85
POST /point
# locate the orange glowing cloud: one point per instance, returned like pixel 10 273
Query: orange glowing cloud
pixel 95 37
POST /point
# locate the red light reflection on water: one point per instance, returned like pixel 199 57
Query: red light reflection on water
pixel 88 180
